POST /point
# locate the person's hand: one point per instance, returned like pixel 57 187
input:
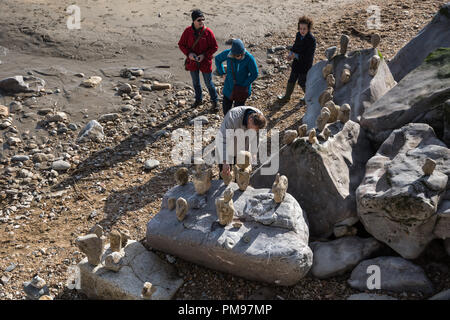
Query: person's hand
pixel 193 56
pixel 290 56
pixel 225 169
pixel 200 58
pixel 224 76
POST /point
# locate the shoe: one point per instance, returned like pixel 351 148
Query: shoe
pixel 287 96
pixel 215 106
pixel 302 100
pixel 197 103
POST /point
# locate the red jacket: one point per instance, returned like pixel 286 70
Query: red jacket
pixel 207 45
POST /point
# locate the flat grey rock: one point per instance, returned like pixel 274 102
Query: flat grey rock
pixel 139 266
pixel 339 256
pixel 200 119
pixel 397 203
pixel 271 245
pixel 60 165
pixel 396 274
pixel 19 158
pixel 323 178
pixel 18 84
pixel 418 97
pixel 435 34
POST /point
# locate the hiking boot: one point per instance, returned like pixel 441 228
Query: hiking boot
pixel 287 96
pixel 197 103
pixel 215 106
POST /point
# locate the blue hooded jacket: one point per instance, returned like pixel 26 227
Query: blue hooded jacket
pixel 246 71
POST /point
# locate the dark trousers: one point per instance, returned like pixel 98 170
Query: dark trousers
pixel 207 77
pixel 298 77
pixel 228 104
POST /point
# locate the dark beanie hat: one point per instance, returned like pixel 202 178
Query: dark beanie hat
pixel 196 14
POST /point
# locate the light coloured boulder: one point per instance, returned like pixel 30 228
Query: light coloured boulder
pixel 269 245
pixel 161 86
pixel 419 97
pixel 396 203
pixel 332 169
pixel 91 82
pixel 138 267
pixel 396 274
pixel 435 34
pixel 93 131
pixel 339 256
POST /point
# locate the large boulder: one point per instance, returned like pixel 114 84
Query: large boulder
pixel 266 241
pixel 436 34
pixel 18 84
pixel 138 266
pixel 395 274
pixel 323 177
pixel 339 256
pixel 422 96
pixel 397 202
pixel 361 91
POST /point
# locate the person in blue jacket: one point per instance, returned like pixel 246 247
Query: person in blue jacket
pixel 245 70
pixel 302 53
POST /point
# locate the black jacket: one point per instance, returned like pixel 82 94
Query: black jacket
pixel 305 49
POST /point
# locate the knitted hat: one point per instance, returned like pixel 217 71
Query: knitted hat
pixel 237 47
pixel 197 13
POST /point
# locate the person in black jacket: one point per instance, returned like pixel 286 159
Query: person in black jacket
pixel 303 54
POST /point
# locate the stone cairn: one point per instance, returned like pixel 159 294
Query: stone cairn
pixel 202 178
pixel 225 208
pixel 279 188
pixel 93 244
pixel 243 169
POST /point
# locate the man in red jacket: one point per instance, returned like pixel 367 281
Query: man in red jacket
pixel 199 55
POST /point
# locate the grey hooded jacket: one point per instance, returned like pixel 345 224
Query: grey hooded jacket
pixel 233 120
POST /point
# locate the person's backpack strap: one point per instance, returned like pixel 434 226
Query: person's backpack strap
pixel 198 38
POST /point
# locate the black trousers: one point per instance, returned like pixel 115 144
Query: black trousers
pixel 298 77
pixel 227 104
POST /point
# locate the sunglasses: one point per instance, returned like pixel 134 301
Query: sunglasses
pixel 200 20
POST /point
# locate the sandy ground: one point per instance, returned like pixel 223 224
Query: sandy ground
pixel 118 33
